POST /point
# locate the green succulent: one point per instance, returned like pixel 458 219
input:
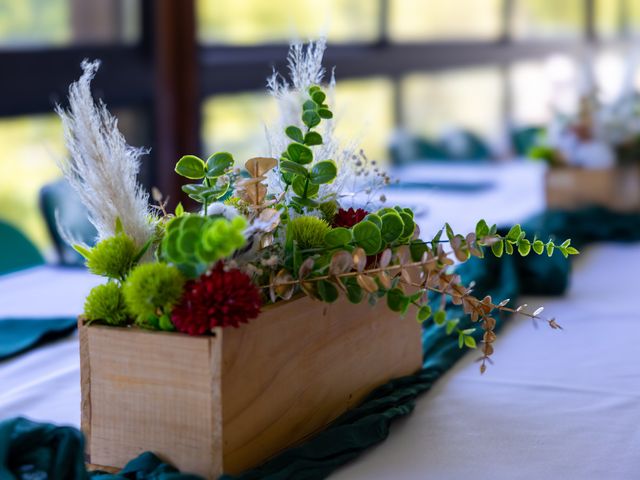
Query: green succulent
pixel 151 291
pixel 193 242
pixel 307 232
pixel 106 303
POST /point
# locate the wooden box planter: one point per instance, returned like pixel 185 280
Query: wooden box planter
pixel 228 402
pixel 615 188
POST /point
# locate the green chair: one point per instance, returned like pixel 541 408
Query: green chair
pixel 62 209
pixel 460 144
pixel 16 250
pixel 523 139
pixel 414 149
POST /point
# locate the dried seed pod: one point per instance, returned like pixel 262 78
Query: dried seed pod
pixel 309 288
pixel 367 283
pixel 341 262
pixel 266 240
pixel 406 276
pixel 384 279
pixel 306 268
pixel 359 259
pixel 283 288
pixel 385 258
pixel 489 337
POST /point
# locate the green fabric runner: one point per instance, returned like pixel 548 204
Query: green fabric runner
pixel 17 335
pixel 57 451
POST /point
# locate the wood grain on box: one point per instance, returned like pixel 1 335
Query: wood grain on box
pixel 230 401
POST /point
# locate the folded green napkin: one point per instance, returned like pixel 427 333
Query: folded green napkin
pixel 17 335
pixel 30 450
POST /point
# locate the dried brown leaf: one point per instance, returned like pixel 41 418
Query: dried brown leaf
pixel 266 240
pixel 270 217
pixel 258 166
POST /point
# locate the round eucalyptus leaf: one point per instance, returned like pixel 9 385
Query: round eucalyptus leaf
pixel 367 236
pixel 337 237
pixel 327 291
pixel 318 97
pixel 294 133
pixel 191 167
pixel 313 138
pixel 392 227
pixel 298 186
pixel 288 166
pixel 218 164
pixel 354 291
pixel 300 153
pixel 323 172
pixel 325 113
pixel 409 225
pixel 304 202
pixel 372 217
pixel 309 105
pixel 310 118
pixel 396 300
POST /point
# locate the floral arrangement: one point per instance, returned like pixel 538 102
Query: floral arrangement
pixel 310 220
pixel 599 135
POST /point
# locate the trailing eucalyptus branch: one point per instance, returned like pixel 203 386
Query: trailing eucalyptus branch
pixel 405 272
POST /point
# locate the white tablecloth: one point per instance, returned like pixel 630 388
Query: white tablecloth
pixel 556 405
pixel 44 384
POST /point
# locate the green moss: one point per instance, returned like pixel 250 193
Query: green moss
pixel 151 290
pixel 308 232
pixel 106 303
pixel 113 257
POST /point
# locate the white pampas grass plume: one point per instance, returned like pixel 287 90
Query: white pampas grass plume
pixel 305 69
pixel 101 167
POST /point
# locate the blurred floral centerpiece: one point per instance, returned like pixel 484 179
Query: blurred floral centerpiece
pixel 598 136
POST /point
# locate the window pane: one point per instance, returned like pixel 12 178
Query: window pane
pixel 612 70
pixel 236 123
pixel 29 148
pixel 632 16
pixel 364 113
pixel 25 23
pixel 609 18
pixel 444 19
pixel 538 88
pixel 247 22
pixel 471 99
pixel 535 19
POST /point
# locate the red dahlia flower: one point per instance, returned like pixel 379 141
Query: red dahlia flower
pixel 217 299
pixel 348 218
